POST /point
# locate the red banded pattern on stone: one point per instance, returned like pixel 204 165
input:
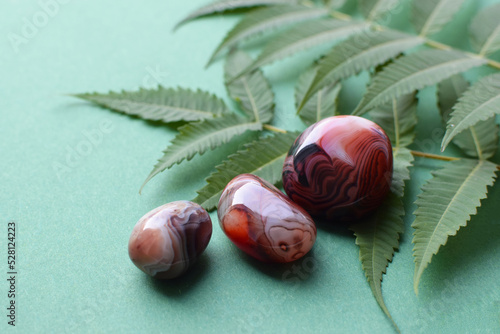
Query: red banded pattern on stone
pixel 339 168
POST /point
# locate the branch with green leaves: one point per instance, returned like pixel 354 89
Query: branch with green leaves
pixel 401 64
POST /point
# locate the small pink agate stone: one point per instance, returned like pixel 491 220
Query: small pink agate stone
pixel 168 240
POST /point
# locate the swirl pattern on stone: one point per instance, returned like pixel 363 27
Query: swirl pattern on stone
pixel 261 221
pixel 167 240
pixel 340 168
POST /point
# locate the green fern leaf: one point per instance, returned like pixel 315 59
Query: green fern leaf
pixel 161 104
pixel 479 103
pixel 446 203
pixel 378 236
pixel 324 102
pixel 266 19
pixel 301 37
pixel 413 72
pixel 375 9
pixel 359 52
pixel 263 157
pixel 429 16
pixel 398 118
pixel 253 91
pixel 479 141
pixel 485 30
pixel 199 137
pixel 223 6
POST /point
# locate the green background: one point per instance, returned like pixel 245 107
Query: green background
pixel 73 224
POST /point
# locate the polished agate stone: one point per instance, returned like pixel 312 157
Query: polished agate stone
pixel 167 240
pixel 261 221
pixel 340 168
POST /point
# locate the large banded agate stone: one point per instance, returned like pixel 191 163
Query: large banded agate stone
pixel 261 221
pixel 339 168
pixel 168 240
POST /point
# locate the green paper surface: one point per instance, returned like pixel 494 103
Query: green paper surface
pixel 70 174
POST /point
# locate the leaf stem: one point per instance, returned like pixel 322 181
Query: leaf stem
pixel 477 144
pixel 492 63
pixel 437 45
pixel 273 128
pixel 433 156
pixel 252 100
pixel 437 157
pixel 340 16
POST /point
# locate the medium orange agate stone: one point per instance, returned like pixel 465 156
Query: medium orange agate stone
pixel 261 221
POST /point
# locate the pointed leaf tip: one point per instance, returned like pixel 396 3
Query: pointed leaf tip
pixel 479 103
pixel 227 6
pixel 446 204
pixel 378 236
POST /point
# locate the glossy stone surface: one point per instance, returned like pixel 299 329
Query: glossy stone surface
pixel 263 222
pixel 167 240
pixel 340 168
